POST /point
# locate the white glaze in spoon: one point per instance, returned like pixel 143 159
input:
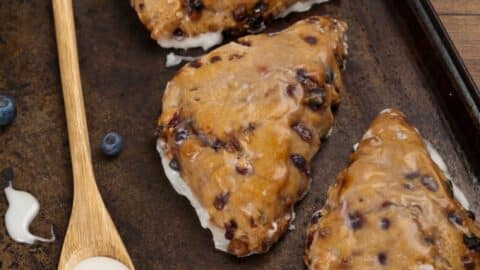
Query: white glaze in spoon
pixel 22 209
pixel 100 263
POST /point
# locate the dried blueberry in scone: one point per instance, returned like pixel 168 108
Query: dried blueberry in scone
pixel 240 130
pixel 393 208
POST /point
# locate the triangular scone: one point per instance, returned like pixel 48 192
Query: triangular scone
pixel 241 124
pixel 200 23
pixel 393 208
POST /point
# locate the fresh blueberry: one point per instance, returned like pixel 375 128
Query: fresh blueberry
pixel 7 110
pixel 112 144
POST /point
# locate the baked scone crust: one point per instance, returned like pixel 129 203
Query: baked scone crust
pixel 392 208
pixel 242 123
pixel 180 19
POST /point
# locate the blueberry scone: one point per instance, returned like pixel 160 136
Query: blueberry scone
pixel 200 23
pixel 240 125
pixel 394 207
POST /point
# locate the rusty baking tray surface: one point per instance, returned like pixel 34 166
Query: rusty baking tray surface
pixel 400 57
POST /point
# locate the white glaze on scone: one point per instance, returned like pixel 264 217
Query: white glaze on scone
pixel 242 123
pixel 393 208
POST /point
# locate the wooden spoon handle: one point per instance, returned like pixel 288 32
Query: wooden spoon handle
pixel 91 231
pixel 73 96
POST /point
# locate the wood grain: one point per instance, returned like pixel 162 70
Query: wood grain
pixel 462 19
pixel 456 7
pixel 91 231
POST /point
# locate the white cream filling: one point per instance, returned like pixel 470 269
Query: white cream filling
pixel 174 59
pixel 182 188
pixel 205 40
pixel 301 6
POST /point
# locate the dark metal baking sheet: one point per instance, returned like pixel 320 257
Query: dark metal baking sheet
pixel 400 57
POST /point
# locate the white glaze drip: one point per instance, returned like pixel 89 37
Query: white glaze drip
pixel 22 209
pixel 174 59
pixel 329 133
pixel 355 147
pixel 182 188
pixel 300 6
pixel 291 224
pixel 100 263
pixel 205 40
pixel 438 160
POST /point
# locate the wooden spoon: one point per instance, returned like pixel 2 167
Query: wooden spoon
pixel 91 231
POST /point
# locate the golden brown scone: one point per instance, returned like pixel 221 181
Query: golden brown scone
pixel 392 208
pixel 241 124
pixel 200 23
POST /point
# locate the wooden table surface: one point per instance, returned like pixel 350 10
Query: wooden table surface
pixel 462 20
